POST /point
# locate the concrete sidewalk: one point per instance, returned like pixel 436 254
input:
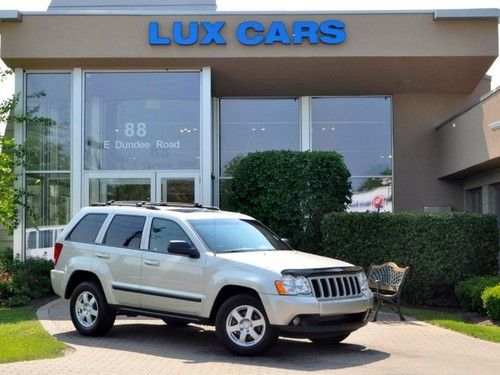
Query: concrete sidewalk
pixel 148 346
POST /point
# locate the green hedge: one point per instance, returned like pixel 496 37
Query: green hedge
pixel 469 291
pixel 491 300
pixel 441 249
pixel 22 282
pixel 290 191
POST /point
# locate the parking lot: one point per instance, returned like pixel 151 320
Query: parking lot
pixel 148 346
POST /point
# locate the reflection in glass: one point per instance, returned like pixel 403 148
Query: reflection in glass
pixel 48 208
pixel 177 190
pixel 142 121
pixel 162 232
pixel 248 125
pixel 48 142
pixel 371 194
pixel 359 128
pixel 119 189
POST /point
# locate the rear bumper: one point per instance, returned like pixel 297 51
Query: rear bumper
pixel 310 326
pixel 57 278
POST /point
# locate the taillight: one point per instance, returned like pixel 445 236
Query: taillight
pixel 57 251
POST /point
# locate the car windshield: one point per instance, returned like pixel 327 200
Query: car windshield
pixel 236 235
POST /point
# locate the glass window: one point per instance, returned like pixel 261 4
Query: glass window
pixel 235 235
pixel 475 200
pixel 357 128
pixel 162 232
pixel 48 142
pixel 142 121
pixel 47 207
pixel 371 194
pixel 248 125
pixel 495 201
pixel 48 150
pixel 125 231
pixel 87 229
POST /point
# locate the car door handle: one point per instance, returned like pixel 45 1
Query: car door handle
pixel 102 255
pixel 155 263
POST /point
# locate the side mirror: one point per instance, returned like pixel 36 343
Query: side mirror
pixel 287 242
pixel 182 248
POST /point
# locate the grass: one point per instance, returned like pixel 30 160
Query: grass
pixel 454 322
pixel 23 338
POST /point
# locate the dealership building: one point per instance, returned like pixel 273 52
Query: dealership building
pixel 152 100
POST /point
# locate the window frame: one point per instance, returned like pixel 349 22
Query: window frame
pixel 108 227
pixel 67 238
pixel 150 227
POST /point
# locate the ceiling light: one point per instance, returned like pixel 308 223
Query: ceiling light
pixel 495 126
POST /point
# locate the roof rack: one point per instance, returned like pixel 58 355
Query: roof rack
pixel 153 205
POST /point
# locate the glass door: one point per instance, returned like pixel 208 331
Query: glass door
pixel 172 187
pixel 104 187
pixel 177 187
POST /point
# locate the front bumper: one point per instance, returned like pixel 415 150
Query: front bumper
pixel 281 310
pixel 310 326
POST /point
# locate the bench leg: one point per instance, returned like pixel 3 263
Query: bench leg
pixel 377 308
pixel 399 311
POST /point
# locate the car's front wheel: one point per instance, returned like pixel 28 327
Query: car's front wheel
pixel 242 326
pixel 90 312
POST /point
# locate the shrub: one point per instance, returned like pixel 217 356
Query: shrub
pixel 290 191
pixel 469 291
pixel 441 249
pixel 21 282
pixel 491 300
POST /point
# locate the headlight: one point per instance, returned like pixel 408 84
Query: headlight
pixel 291 285
pixel 363 281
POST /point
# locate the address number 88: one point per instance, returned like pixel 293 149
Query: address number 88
pixel 135 130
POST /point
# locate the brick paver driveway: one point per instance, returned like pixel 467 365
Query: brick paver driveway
pixel 149 347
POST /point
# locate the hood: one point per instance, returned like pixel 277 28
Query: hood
pixel 277 261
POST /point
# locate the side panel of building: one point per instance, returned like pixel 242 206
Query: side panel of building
pixel 417 151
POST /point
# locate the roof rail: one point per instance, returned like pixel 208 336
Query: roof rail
pixel 153 205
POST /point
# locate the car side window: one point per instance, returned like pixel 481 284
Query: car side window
pixel 87 228
pixel 125 231
pixel 162 232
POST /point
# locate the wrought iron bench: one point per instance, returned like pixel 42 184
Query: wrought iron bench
pixel 385 281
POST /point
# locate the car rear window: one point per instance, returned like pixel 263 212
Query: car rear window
pixel 87 228
pixel 125 231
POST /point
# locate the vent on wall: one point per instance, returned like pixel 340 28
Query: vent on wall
pixel 438 209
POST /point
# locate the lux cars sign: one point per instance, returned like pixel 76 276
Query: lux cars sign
pixel 248 33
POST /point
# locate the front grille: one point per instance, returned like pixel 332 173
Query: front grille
pixel 335 286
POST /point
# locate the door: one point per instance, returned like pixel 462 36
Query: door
pixel 172 187
pixel 119 255
pixel 170 282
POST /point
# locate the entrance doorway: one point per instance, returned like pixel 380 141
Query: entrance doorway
pixel 172 187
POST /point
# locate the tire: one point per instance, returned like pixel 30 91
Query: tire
pixel 332 340
pixel 244 315
pixel 176 323
pixel 90 312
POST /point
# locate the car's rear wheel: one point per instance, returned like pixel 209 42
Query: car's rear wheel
pixel 331 340
pixel 90 312
pixel 242 326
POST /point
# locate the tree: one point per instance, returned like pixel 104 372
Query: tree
pixel 290 191
pixel 13 158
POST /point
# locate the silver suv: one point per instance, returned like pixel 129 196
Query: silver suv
pixel 194 264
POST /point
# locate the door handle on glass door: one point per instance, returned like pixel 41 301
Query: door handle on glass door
pixel 152 263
